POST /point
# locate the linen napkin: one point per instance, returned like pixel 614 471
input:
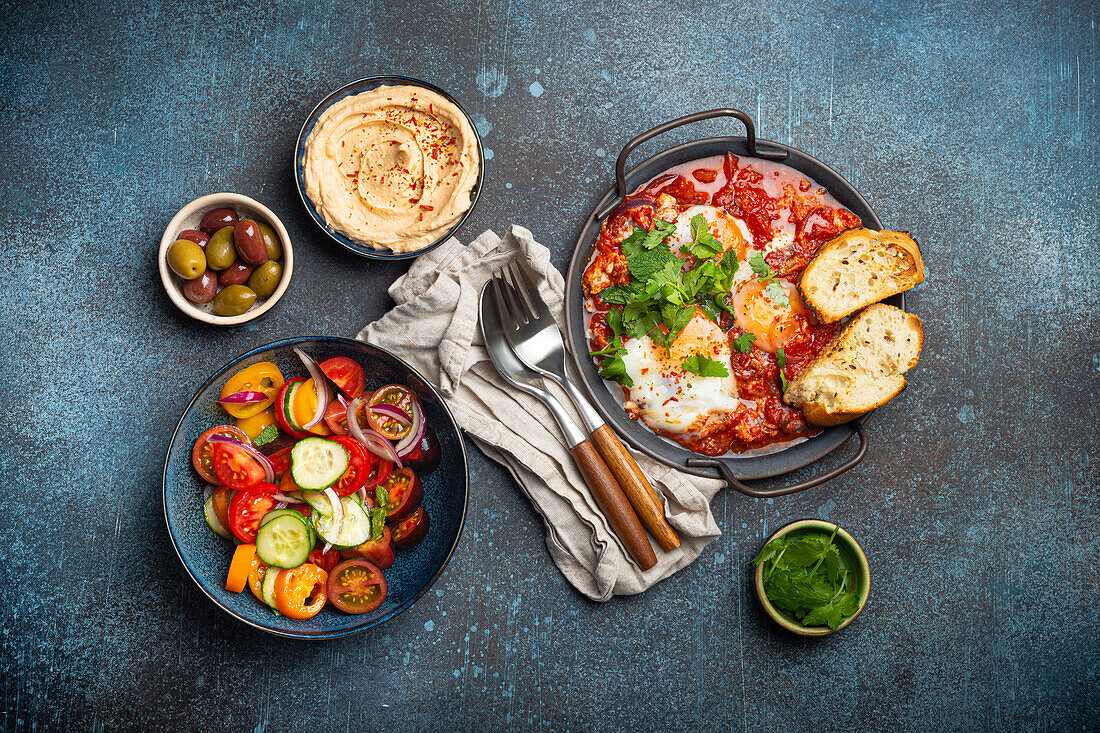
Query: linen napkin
pixel 434 327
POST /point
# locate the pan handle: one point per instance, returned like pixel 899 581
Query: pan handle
pixel 734 482
pixel 620 164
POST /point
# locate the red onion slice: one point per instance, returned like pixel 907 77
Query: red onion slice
pixel 286 498
pixel 393 411
pixel 242 398
pixel 412 441
pixel 372 440
pixel 337 512
pixel 208 492
pixel 263 460
pixel 320 385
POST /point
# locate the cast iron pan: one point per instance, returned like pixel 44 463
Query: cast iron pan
pixel 735 470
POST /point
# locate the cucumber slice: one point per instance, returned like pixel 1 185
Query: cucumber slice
pixel 267 590
pixel 282 512
pixel 288 413
pixel 212 520
pixel 285 541
pixel 319 501
pixel 316 463
pixel 354 528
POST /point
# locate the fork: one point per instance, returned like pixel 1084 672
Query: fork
pixel 601 482
pixel 534 336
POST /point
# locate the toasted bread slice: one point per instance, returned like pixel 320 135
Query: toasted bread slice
pixel 858 268
pixel 861 368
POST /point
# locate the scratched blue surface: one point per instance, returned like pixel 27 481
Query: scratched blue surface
pixel 972 124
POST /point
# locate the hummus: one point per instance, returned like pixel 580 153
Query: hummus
pixel 392 168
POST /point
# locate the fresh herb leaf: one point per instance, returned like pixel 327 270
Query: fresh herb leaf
pixel 377 522
pixel 645 262
pixel 759 266
pixel 614 369
pixel 805 551
pixel 832 614
pixel 743 343
pixel 382 496
pixel 676 318
pixel 778 294
pixel 618 294
pixel 798 590
pixel 781 361
pixel 640 239
pixel 266 435
pixel 704 245
pixel 704 366
pixel 770 550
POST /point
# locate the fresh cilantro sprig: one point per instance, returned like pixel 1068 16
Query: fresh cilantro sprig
pixel 664 293
pixel 808 578
pixel 774 290
pixel 704 366
pixel 743 343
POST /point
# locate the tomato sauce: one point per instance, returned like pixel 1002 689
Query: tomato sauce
pixel 789 217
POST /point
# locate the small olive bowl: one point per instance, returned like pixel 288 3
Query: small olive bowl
pixel 857 559
pixel 188 218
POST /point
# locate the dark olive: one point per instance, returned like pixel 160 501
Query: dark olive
pixel 214 220
pixel 233 300
pixel 425 457
pixel 249 242
pixel 236 274
pixel 186 259
pixel 203 288
pixel 194 235
pixel 220 252
pixel 266 278
pixel 271 241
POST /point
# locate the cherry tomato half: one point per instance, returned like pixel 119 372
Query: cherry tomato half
pixel 346 374
pixel 261 377
pixel 377 551
pixel 425 457
pixel 358 469
pixel 202 455
pixel 324 560
pixel 221 497
pixel 300 593
pixel 380 471
pixel 399 397
pixel 410 530
pixel 336 417
pixel 236 468
pixel 356 586
pixel 404 494
pixel 281 408
pixel 247 508
pixel 256 577
pixel 281 461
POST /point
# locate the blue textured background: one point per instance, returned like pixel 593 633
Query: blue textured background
pixel 972 124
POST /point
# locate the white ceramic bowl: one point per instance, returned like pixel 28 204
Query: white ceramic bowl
pixel 188 218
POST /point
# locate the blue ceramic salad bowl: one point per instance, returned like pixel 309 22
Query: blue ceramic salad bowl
pixel 206 556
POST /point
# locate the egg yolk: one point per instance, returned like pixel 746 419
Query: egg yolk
pixel 774 325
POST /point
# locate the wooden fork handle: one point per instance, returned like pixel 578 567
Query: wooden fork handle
pixel 612 501
pixel 636 486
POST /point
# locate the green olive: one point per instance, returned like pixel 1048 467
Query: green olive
pixel 265 278
pixel 271 241
pixel 186 259
pixel 233 300
pixel 220 250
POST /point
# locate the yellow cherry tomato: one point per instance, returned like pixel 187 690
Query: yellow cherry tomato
pixel 305 406
pixel 253 426
pixel 261 377
pixel 301 593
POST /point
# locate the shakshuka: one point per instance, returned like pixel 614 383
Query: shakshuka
pixel 693 304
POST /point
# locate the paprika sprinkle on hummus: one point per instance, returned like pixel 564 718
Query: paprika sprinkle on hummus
pixel 393 168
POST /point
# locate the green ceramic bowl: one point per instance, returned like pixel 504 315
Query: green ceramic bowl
pixel 852 552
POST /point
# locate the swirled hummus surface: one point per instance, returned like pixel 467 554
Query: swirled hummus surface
pixel 392 168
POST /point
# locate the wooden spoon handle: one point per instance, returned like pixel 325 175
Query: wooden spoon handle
pixel 612 501
pixel 636 487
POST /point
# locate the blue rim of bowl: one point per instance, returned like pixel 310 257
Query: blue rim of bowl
pixel 365 85
pixel 320 634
